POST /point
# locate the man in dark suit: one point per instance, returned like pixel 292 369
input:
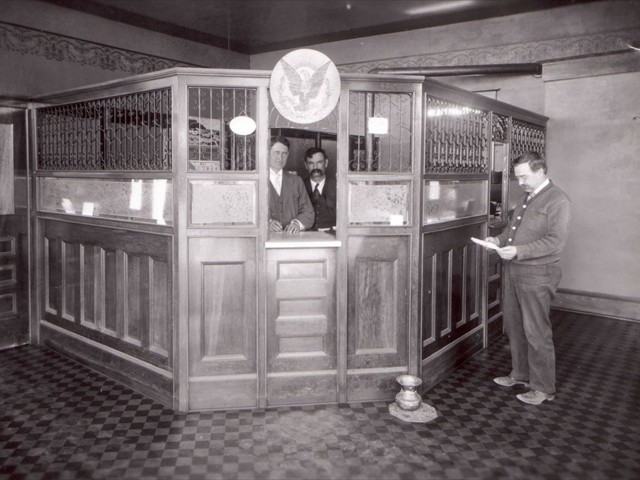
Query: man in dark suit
pixel 290 209
pixel 321 190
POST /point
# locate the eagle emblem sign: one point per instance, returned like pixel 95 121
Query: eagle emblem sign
pixel 305 86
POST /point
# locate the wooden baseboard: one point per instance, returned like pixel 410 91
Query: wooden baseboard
pixel 146 379
pixel 623 308
pixel 442 363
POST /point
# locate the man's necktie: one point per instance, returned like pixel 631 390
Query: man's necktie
pixel 316 193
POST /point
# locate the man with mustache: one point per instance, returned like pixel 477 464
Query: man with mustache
pixel 321 190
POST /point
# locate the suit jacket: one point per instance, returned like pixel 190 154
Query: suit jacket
pixel 292 203
pixel 325 206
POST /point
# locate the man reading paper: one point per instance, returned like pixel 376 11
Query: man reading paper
pixel 531 245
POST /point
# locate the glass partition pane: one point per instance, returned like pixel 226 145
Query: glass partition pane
pixel 148 200
pixel 221 202
pixel 379 203
pixel 453 199
pixel 499 171
pixel 222 124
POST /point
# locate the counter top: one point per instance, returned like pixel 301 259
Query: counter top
pixel 302 240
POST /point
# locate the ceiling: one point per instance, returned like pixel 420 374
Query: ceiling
pixel 258 26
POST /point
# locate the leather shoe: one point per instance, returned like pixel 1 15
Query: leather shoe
pixel 509 382
pixel 534 397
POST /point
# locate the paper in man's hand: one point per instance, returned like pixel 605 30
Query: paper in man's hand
pixel 488 245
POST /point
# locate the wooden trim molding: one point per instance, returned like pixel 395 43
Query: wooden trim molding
pixel 111 351
pixel 623 308
pixel 52 46
pixel 7 201
pixel 540 51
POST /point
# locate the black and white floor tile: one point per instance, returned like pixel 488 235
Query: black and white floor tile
pixel 60 420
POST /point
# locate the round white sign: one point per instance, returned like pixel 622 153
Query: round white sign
pixel 305 86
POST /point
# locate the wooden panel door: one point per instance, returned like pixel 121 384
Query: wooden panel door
pixel 14 221
pixel 378 291
pixel 380 221
pixel 451 300
pixel 301 326
pixel 222 323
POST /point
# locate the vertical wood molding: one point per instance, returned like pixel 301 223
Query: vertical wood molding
pixel 432 286
pixel 122 288
pixel 83 284
pixel 463 311
pixel 159 307
pixel 7 203
pixel 449 259
pixel 100 286
pixel 146 289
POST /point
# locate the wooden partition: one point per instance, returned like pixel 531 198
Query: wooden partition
pixel 111 288
pixel 155 265
pixel 104 216
pixel 379 220
pixel 468 191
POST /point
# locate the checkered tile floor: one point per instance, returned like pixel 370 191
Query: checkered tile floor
pixel 59 420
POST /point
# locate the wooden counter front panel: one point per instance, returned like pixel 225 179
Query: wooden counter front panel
pixel 222 323
pixel 111 286
pixel 301 326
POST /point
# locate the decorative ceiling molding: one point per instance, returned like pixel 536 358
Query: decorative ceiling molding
pixel 27 41
pixel 542 51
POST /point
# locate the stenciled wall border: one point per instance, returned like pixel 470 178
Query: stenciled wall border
pixel 52 46
pixel 541 51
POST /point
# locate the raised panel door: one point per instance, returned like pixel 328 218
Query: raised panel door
pixel 377 322
pixel 222 323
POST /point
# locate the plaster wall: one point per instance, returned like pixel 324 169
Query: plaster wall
pixel 525 91
pixel 29 75
pixel 593 145
pixel 45 48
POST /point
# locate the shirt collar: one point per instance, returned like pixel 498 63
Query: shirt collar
pixel 540 187
pixel 320 184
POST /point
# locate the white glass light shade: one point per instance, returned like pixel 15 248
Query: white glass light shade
pixel 242 125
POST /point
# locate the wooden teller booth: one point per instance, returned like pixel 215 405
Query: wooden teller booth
pixel 155 266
